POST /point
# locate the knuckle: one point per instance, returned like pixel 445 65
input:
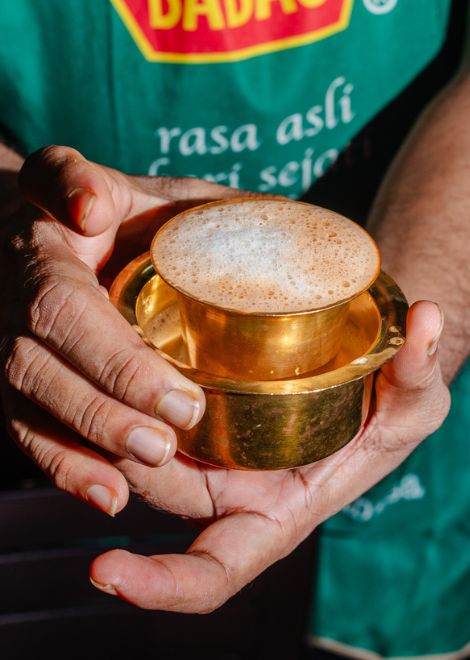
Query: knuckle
pixel 55 309
pixel 13 240
pixel 52 154
pixel 23 365
pixel 63 162
pixel 48 298
pixel 50 161
pixel 121 370
pixel 32 165
pixel 17 430
pixel 25 243
pixel 49 153
pixel 25 437
pixel 57 465
pixel 22 241
pixel 93 418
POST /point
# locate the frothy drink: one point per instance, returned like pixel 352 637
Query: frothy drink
pixel 266 257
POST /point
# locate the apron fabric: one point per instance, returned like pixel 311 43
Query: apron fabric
pixel 74 73
pixel 394 570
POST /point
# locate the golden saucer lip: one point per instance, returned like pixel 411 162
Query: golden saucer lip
pixel 233 310
pixel 388 297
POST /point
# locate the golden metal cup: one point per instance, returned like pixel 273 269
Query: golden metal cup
pixel 257 346
pixel 267 425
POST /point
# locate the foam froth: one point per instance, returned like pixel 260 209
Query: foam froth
pixel 266 256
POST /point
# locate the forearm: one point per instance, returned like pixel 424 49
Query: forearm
pixel 10 165
pixel 421 217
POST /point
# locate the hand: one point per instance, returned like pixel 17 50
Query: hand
pixel 259 517
pixel 76 379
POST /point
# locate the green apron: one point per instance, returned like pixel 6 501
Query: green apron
pixel 264 95
pixel 394 571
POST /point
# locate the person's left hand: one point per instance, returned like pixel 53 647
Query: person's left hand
pixel 259 517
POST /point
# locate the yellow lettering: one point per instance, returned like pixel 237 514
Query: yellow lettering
pixel 209 8
pixel 263 8
pixel 311 4
pixel 161 18
pixel 238 12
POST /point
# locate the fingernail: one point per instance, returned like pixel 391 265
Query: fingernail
pixel 180 407
pixel 107 588
pixel 432 348
pixel 80 202
pixel 149 446
pixel 103 498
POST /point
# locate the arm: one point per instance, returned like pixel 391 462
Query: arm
pixel 63 381
pixel 421 217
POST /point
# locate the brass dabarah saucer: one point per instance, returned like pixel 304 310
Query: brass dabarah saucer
pixel 271 424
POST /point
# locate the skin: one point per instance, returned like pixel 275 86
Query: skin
pixel 64 347
pixel 60 365
pixel 420 216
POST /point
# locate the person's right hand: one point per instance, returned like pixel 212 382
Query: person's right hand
pixel 74 373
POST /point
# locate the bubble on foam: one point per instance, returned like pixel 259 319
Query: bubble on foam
pixel 271 256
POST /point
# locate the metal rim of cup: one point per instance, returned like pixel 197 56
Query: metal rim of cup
pixel 389 299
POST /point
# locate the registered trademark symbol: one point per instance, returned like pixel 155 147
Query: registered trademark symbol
pixel 380 6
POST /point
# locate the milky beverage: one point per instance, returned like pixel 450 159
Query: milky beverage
pixel 266 257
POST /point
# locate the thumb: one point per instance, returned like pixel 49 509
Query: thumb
pixel 86 197
pixel 411 393
pixel 415 365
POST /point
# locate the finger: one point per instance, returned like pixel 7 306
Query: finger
pixel 412 401
pixel 83 195
pixel 69 314
pixel 179 487
pixel 412 382
pixel 40 375
pixel 91 198
pixel 224 558
pixel 193 190
pixel 58 453
pixel 415 364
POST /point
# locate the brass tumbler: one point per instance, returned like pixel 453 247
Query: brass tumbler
pixel 258 424
pixel 256 346
pixel 259 346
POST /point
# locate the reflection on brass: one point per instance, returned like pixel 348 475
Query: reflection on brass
pixel 257 346
pixel 271 424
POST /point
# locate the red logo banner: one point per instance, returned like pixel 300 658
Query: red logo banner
pixel 198 31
